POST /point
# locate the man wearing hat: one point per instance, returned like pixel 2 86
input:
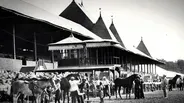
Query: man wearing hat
pixel 164 85
pixel 74 89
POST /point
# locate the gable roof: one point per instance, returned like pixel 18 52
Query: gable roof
pixel 77 13
pixel 116 34
pixel 68 40
pixel 100 29
pixel 142 48
pixel 28 10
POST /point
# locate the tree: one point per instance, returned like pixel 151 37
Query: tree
pixel 180 64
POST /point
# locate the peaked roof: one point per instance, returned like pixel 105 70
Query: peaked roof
pixel 68 40
pixel 116 34
pixel 143 48
pixel 28 10
pixel 100 29
pixel 77 13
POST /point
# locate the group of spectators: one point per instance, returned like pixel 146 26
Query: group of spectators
pixel 99 87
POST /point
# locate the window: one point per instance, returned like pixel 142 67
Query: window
pixel 68 54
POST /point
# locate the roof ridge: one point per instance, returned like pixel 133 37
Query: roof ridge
pixel 85 11
pixel 37 6
pixel 115 33
pixel 142 47
pixel 103 28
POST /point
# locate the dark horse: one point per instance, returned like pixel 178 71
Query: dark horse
pixel 172 82
pixel 65 87
pixel 125 83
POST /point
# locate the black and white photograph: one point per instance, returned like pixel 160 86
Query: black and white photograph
pixel 91 51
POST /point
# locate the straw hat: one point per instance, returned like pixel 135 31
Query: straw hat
pixel 72 78
pixel 104 77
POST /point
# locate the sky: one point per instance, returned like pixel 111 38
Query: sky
pixel 159 22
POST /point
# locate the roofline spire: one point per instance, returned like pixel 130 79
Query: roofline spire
pixel 112 18
pixel 100 11
pixel 71 35
pixel 81 2
pixel 141 38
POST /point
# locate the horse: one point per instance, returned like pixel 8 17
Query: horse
pixel 18 88
pixel 125 83
pixel 33 88
pixel 172 82
pixel 65 87
pixel 40 88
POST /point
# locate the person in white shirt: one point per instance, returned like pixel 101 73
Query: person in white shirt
pixel 106 84
pixel 74 89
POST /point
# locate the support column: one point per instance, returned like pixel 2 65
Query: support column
pixel 126 61
pixel 53 58
pixel 134 66
pixel 138 67
pixel 93 72
pixel 112 55
pixel 109 71
pixel 122 63
pixel 155 69
pixel 147 68
pixel 131 64
pixel 152 68
pixel 14 46
pixel 144 68
pixel 97 56
pixel 35 48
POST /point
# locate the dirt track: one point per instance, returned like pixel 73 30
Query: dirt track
pixel 174 96
pixel 150 97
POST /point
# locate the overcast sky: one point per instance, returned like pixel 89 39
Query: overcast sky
pixel 159 22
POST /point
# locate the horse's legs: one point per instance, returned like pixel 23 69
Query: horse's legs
pixel 126 92
pixel 64 93
pixel 115 88
pixel 119 92
pixel 68 96
pixel 129 93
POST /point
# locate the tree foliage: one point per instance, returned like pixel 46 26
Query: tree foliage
pixel 177 66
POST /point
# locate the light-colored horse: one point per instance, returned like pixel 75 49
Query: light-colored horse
pixel 30 88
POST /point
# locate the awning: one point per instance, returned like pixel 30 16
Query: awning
pixel 70 43
pixel 80 68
